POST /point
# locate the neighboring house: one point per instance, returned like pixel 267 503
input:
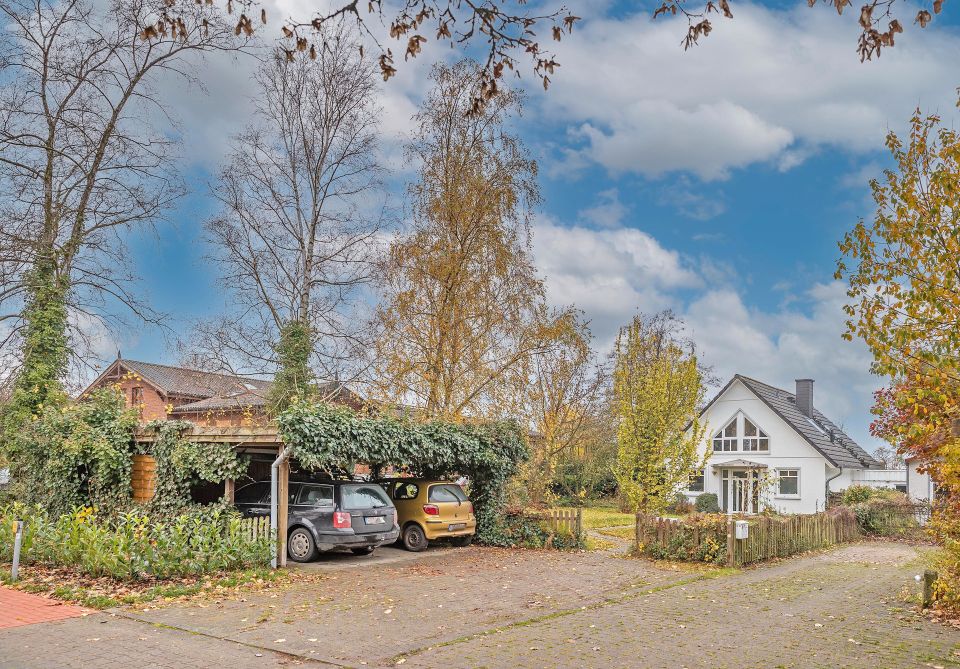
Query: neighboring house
pixel 771 448
pixel 205 398
pixel 920 485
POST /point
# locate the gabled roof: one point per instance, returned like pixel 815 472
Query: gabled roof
pixel 183 382
pixel 827 438
pixel 186 382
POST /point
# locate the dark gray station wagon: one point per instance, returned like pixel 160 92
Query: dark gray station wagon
pixel 328 516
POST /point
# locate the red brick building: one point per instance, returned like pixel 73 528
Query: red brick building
pixel 164 392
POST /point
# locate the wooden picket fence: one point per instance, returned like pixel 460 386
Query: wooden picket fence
pixel 565 521
pixel 256 527
pixel 780 537
pixel 767 537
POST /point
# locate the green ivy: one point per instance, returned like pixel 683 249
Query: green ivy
pixel 76 455
pixel 327 437
pixel 181 462
pixel 38 384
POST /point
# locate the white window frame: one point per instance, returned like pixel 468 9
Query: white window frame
pixel 703 486
pixel 781 495
pixel 743 435
pixel 719 435
pixel 738 442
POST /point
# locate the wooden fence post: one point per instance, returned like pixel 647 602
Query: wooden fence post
pixel 929 576
pixel 731 543
pixel 579 521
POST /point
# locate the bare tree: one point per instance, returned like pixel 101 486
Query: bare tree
pixel 299 221
pixel 84 158
pixel 507 29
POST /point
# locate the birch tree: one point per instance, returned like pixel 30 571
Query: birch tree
pixel 86 156
pixel 658 390
pixel 461 313
pixel 300 214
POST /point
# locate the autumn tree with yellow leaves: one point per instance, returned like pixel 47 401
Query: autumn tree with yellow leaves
pixel 903 269
pixel 462 311
pixel 566 405
pixel 658 386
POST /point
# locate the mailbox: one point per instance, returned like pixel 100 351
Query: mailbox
pixel 741 529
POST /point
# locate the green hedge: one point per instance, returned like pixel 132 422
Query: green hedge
pixel 134 546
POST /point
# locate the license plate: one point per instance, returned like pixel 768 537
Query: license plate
pixel 374 520
pixel 453 527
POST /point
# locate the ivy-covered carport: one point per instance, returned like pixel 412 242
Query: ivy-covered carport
pixel 330 438
pixel 327 438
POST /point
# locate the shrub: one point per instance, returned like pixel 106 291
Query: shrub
pixel 857 494
pixel 134 546
pixel 887 517
pixel 698 538
pixel 707 503
pixel 680 505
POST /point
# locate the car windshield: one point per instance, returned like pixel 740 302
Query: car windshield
pixel 367 496
pixel 447 493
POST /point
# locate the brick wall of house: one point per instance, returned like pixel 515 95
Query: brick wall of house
pixel 153 403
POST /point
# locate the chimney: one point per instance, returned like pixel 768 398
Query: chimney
pixel 805 396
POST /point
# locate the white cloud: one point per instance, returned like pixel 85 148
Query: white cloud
pixel 613 273
pixel 610 273
pixel 780 346
pixel 608 212
pixel 767 86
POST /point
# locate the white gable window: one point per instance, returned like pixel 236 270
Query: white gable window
pixel 741 434
pixel 754 439
pixel 726 439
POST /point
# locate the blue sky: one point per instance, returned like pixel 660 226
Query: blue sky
pixel 715 182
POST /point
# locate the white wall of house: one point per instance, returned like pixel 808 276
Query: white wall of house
pixel 880 478
pixel 787 451
pixel 919 485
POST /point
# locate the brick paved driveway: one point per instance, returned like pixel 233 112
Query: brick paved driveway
pixel 494 608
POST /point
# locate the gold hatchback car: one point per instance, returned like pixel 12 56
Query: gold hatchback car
pixel 428 510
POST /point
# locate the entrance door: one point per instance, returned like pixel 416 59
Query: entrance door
pixel 738 491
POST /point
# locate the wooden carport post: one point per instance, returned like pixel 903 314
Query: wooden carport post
pixel 229 488
pixel 283 497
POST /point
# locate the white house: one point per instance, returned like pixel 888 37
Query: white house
pixel 768 447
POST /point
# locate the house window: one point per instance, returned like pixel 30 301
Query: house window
pixel 726 439
pixel 788 482
pixel 136 397
pixel 754 439
pixel 696 482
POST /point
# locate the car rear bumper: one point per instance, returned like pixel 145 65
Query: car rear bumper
pixel 440 529
pixel 333 541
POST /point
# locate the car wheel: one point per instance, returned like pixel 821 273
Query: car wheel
pixel 300 546
pixel 414 538
pixel 366 550
pixel 462 542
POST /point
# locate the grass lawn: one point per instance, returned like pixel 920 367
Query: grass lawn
pixel 621 532
pixel 605 516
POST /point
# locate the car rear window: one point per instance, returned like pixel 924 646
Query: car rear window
pixel 315 495
pixel 370 496
pixel 446 493
pixel 406 491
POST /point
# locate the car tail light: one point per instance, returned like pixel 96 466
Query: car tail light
pixel 431 509
pixel 470 508
pixel 395 517
pixel 341 520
